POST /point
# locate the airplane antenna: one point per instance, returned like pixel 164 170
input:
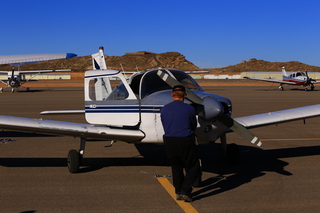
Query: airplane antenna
pixel 122 69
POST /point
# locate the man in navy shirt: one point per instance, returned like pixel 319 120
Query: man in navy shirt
pixel 179 124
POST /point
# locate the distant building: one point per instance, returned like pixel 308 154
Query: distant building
pixel 140 53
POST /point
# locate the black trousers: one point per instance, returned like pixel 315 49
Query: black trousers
pixel 183 156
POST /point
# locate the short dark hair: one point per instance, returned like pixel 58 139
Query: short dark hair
pixel 179 88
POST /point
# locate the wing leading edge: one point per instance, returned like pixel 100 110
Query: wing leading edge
pixel 69 129
pixel 270 80
pixel 33 58
pixel 277 117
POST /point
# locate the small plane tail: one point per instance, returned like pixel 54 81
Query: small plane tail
pixel 98 60
pixel 284 73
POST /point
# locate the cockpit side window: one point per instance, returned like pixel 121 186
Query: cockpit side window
pixel 118 93
pixel 293 75
pixel 100 89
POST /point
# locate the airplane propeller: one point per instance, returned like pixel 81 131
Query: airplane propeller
pixel 213 109
pixel 12 73
pixel 309 79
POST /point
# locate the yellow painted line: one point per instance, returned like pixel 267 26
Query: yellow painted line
pixel 291 139
pixel 186 207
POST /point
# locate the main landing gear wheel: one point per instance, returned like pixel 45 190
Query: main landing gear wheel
pixel 73 161
pixel 233 154
pixel 281 88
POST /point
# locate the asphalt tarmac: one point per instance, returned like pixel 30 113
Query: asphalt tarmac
pixel 281 176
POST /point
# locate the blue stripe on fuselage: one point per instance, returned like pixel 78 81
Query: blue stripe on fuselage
pixel 123 109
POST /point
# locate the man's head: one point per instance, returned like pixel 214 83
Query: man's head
pixel 178 92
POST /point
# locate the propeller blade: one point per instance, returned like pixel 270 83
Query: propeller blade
pixel 239 129
pixel 173 82
pixel 12 73
pixel 225 119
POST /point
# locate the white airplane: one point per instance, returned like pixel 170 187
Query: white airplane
pixel 130 112
pixel 295 78
pixel 17 78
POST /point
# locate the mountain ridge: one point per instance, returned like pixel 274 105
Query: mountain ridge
pixel 142 60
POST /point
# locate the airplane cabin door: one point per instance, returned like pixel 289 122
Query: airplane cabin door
pixel 109 103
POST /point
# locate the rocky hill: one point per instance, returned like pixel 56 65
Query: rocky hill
pixel 145 60
pixel 261 65
pixel 130 62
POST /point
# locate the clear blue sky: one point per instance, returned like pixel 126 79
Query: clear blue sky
pixel 209 33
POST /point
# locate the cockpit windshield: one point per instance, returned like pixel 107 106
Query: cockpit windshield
pixel 152 83
pixel 297 74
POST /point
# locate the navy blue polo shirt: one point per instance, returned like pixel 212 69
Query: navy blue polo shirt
pixel 178 119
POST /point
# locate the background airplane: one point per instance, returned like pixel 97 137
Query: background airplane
pixel 17 78
pixel 130 112
pixel 295 78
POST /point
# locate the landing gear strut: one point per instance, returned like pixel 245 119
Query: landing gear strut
pixel 230 151
pixel 75 157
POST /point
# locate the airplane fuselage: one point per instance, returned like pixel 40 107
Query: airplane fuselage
pixel 300 80
pixel 14 79
pixel 136 104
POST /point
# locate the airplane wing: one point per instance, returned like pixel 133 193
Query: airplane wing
pixel 62 112
pixel 271 80
pixel 33 58
pixel 69 129
pixel 277 117
pixel 44 71
pixel 37 71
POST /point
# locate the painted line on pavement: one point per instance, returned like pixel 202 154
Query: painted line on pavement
pixel 186 207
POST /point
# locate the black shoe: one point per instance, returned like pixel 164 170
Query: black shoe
pixel 186 198
pixel 179 197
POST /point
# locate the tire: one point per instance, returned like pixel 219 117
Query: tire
pixel 73 161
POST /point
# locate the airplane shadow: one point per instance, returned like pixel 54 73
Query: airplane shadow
pixel 303 89
pixel 33 90
pixel 254 163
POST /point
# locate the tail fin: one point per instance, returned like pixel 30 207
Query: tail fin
pixel 284 73
pixel 98 61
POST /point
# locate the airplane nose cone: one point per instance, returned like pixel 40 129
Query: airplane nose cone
pixel 212 108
